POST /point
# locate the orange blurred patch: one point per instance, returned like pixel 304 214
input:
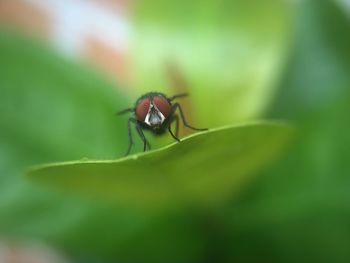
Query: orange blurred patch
pixel 25 16
pixel 107 59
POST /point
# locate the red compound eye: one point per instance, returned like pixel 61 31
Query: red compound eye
pixel 142 109
pixel 163 105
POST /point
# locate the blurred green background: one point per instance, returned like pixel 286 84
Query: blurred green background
pixel 242 61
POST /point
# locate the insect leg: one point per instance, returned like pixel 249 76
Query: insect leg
pixel 181 95
pixel 177 105
pixel 140 132
pixel 143 138
pixel 175 119
pixel 125 111
pixel 130 134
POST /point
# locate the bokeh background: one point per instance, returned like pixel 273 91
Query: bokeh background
pixel 67 66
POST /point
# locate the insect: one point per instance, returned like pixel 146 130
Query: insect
pixel 156 112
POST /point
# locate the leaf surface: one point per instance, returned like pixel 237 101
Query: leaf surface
pixel 204 167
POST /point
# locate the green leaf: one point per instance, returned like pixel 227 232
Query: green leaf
pixel 229 52
pixel 205 167
pixel 304 215
pixel 51 110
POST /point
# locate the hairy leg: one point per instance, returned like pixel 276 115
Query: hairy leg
pixel 178 106
pixel 140 132
pixel 176 120
pixel 143 137
pixel 181 95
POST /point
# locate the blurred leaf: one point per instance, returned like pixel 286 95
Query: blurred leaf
pixel 204 167
pixel 230 53
pixel 53 110
pixel 304 215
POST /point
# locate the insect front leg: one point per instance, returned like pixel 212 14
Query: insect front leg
pixel 126 111
pixel 177 105
pixel 143 137
pixel 131 142
pixel 176 120
pixel 140 132
pixel 181 95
